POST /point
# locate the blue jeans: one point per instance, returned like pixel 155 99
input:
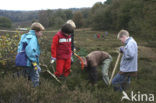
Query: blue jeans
pixel 34 76
pixel 120 82
pixel 31 74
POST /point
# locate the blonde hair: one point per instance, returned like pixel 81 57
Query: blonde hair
pixel 123 33
pixel 37 26
pixel 71 22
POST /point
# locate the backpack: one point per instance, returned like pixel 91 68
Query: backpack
pixel 21 57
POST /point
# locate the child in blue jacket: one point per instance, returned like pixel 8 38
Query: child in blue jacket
pixel 32 51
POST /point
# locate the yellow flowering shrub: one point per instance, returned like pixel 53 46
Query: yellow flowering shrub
pixel 8 46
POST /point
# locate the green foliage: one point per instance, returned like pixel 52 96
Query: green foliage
pixel 137 16
pixel 5 22
pixel 101 21
pixel 78 19
pixel 96 6
pixel 19 16
pixel 54 18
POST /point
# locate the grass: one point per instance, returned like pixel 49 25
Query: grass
pixel 75 88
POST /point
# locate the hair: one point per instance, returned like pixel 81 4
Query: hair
pixel 71 22
pixel 67 28
pixel 37 26
pixel 122 33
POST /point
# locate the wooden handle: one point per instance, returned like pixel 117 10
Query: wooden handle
pixel 116 64
pixel 54 76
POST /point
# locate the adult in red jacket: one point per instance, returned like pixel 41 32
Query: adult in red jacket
pixel 61 51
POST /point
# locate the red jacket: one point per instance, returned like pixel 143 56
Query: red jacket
pixel 61 46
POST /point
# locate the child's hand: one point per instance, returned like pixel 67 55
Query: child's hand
pixel 74 49
pixel 121 49
pixel 52 60
pixel 36 67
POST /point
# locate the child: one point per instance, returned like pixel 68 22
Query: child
pixel 61 50
pixel 98 36
pixel 129 61
pixel 32 51
pixel 71 22
pixel 94 59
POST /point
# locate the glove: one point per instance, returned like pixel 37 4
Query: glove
pixel 39 69
pixel 36 67
pixel 52 60
pixel 74 49
pixel 121 49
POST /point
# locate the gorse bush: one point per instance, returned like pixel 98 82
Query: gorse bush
pixel 8 47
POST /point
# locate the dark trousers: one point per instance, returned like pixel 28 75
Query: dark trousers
pixel 92 75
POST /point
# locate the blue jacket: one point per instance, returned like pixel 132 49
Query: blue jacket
pixel 32 49
pixel 129 61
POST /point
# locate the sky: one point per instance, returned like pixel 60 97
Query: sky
pixel 45 4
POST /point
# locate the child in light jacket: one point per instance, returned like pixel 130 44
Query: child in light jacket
pixel 32 50
pixel 129 61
